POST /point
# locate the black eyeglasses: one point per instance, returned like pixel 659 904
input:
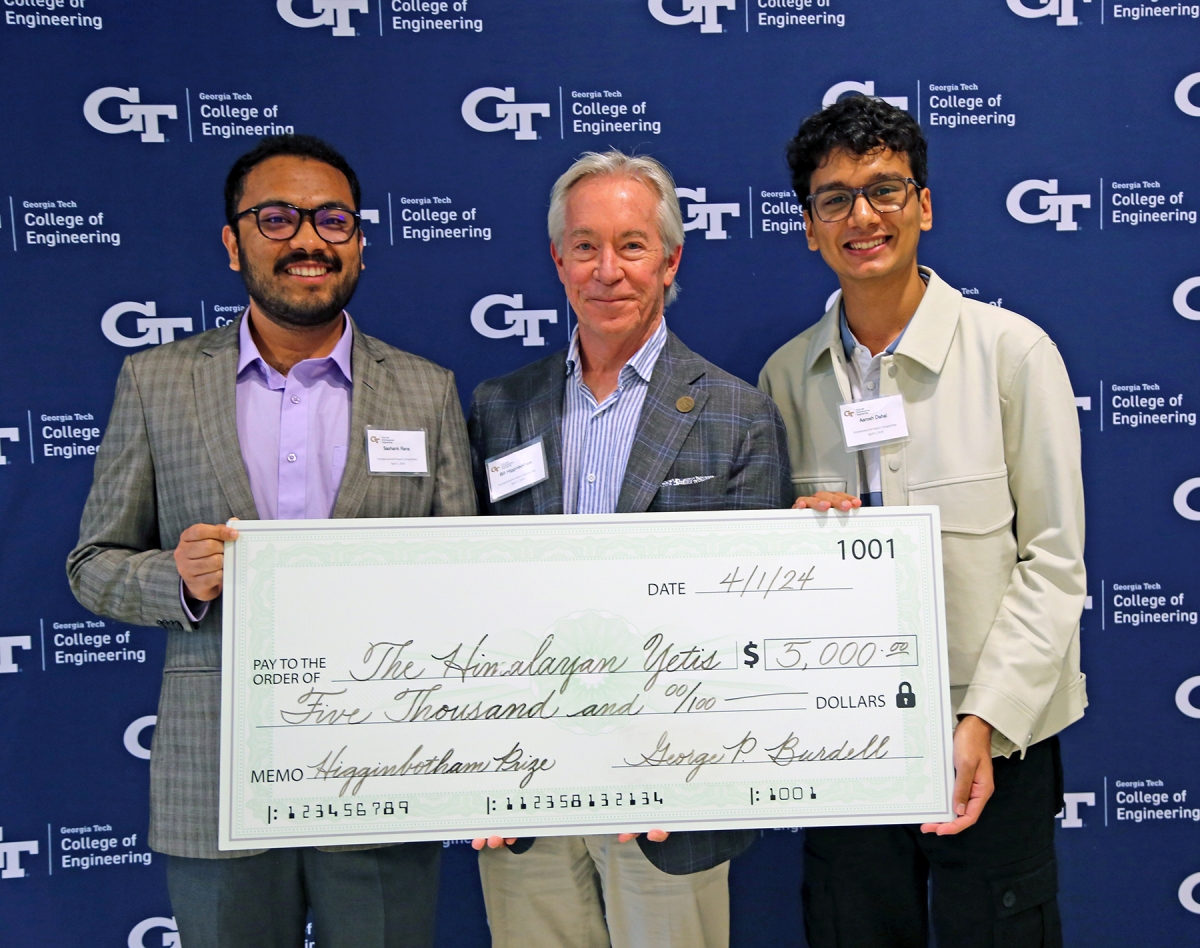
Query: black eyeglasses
pixel 886 196
pixel 334 225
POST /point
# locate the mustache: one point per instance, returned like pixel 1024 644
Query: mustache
pixel 302 256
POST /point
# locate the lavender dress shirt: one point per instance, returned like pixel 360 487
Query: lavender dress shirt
pixel 293 431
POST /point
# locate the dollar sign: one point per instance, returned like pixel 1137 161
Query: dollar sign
pixel 751 653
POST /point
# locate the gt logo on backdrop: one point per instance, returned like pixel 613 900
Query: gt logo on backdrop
pixel 1056 207
pixel 1183 95
pixel 1187 893
pixel 132 737
pixel 702 215
pixel 1062 10
pixel 1180 298
pixel 1182 507
pixel 8 664
pixel 335 13
pixel 703 12
pixel 512 116
pixel 6 434
pixel 835 92
pixel 138 117
pixel 170 938
pixel 521 322
pixel 154 329
pixel 1069 814
pixel 10 856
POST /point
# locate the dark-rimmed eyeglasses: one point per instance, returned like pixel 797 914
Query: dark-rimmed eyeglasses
pixel 886 196
pixel 334 225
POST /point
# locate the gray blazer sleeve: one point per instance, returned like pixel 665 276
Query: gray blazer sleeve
pixel 454 494
pixel 117 568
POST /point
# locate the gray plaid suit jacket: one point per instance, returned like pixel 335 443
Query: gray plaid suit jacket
pixel 170 458
pixel 733 433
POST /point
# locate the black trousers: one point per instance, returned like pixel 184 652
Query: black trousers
pixel 367 898
pixel 994 885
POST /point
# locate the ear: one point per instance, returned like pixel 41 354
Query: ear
pixel 673 259
pixel 559 263
pixel 808 231
pixel 230 240
pixel 362 251
pixel 926 210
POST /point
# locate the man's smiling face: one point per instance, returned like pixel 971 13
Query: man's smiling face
pixel 868 245
pixel 304 281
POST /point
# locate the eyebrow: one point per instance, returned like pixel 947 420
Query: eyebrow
pixel 843 186
pixel 587 232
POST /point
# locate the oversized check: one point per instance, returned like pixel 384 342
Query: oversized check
pixel 391 680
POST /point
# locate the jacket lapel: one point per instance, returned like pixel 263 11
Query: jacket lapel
pixel 542 414
pixel 662 427
pixel 215 379
pixel 367 407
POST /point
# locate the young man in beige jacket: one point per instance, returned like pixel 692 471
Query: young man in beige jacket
pixel 994 442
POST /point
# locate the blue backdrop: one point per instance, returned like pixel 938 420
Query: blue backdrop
pixel 1063 146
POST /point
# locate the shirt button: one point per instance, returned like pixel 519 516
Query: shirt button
pixel 1009 899
pixel 892 370
pixel 871 386
pixel 295 399
pixel 591 478
pixel 894 464
pixel 291 457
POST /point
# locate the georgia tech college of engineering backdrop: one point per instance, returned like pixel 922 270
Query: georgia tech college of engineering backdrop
pixel 1063 140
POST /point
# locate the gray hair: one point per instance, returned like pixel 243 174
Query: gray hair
pixel 618 164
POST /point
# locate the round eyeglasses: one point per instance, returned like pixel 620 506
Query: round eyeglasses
pixel 886 196
pixel 334 225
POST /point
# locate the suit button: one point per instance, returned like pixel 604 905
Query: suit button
pixel 894 464
pixel 1009 899
pixel 685 403
pixel 892 370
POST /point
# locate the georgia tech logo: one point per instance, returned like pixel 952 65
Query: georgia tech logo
pixel 139 118
pixel 1183 95
pixel 703 12
pixel 521 322
pixel 514 116
pixel 1182 507
pixel 705 216
pixel 8 642
pixel 1180 298
pixel 154 329
pixel 1056 207
pixel 835 92
pixel 10 856
pixel 133 736
pixel 7 434
pixel 170 938
pixel 1069 814
pixel 1187 893
pixel 335 13
pixel 1064 10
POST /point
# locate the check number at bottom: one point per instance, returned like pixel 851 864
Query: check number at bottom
pixel 845 651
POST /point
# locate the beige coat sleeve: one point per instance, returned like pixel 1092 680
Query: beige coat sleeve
pixel 1038 619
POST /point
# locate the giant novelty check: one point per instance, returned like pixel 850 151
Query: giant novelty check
pixel 393 680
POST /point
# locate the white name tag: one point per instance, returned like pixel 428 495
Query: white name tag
pixel 520 468
pixel 397 452
pixel 880 420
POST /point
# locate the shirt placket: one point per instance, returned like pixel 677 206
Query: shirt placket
pixel 293 446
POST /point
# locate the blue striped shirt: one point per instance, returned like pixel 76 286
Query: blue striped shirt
pixel 597 438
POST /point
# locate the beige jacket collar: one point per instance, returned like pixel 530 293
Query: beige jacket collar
pixel 929 334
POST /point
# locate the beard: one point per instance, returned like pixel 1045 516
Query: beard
pixel 306 311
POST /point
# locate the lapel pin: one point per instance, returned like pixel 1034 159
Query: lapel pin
pixel 685 403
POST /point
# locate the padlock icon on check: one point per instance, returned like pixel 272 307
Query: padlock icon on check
pixel 905 697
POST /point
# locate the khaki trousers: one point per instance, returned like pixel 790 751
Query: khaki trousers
pixel 593 892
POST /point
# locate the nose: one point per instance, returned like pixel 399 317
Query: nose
pixel 307 237
pixel 608 266
pixel 861 212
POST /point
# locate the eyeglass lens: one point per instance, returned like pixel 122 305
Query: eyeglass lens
pixel 281 222
pixel 885 196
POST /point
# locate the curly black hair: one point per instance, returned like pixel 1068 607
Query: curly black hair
pixel 300 146
pixel 859 125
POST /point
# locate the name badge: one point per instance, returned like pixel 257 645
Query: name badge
pixel 397 452
pixel 516 470
pixel 874 422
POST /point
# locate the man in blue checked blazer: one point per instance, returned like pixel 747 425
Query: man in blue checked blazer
pixel 629 420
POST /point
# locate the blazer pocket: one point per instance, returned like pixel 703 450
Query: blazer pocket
pixel 805 485
pixel 973 505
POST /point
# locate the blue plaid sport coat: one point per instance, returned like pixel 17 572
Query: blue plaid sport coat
pixel 728 451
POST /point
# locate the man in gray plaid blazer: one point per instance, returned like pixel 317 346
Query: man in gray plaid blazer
pixel 262 419
pixel 630 420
